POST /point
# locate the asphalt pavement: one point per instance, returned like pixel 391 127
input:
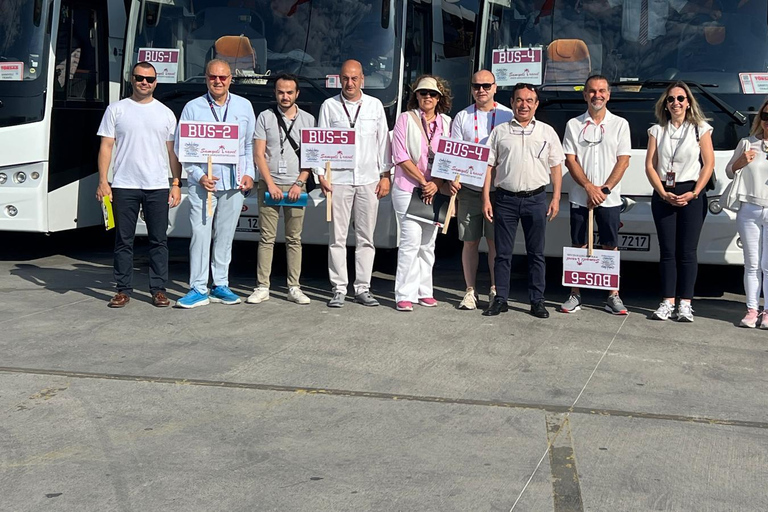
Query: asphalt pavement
pixel 304 408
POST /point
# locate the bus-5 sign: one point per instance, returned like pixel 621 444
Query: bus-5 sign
pixel 328 145
pixel 600 271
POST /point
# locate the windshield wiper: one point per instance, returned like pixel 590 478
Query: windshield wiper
pixel 722 105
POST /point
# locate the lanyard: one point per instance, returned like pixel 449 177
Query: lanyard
pixel 680 142
pixel 287 132
pixel 352 122
pixel 213 111
pixel 427 132
pixel 493 123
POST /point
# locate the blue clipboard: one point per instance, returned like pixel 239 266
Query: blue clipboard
pixel 301 202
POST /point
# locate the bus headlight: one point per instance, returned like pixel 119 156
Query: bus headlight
pixel 11 210
pixel 20 177
pixel 714 206
pixel 3 178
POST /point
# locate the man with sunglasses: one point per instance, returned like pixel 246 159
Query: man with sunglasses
pixel 597 147
pixel 228 184
pixel 140 131
pixel 474 124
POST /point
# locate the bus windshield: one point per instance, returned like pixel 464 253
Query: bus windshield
pixel 704 41
pixel 309 38
pixel 22 38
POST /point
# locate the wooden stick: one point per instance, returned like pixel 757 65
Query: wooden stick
pixel 210 194
pixel 591 236
pixel 329 195
pixel 451 207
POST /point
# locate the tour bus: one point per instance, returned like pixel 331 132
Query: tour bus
pixel 720 49
pixel 60 65
pixel 395 40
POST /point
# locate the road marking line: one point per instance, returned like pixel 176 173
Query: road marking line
pixel 566 489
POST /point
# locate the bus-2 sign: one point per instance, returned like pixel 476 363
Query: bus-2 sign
pixel 199 140
pixel 465 159
pixel 600 271
pixel 328 145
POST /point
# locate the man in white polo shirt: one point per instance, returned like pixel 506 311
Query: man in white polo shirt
pixel 597 147
pixel 358 189
pixel 474 124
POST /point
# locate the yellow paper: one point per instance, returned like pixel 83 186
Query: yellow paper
pixel 109 217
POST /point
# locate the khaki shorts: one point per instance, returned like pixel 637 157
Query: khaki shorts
pixel 472 224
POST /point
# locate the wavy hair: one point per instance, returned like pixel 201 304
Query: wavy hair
pixel 444 88
pixel 693 115
pixel 757 126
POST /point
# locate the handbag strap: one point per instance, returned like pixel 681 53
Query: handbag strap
pixel 281 123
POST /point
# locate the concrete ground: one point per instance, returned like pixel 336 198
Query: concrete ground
pixel 304 408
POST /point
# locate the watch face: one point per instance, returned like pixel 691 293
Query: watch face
pixel 605 190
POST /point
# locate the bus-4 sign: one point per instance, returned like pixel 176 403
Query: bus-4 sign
pixel 465 159
pixel 165 61
pixel 600 271
pixel 199 140
pixel 515 65
pixel 328 145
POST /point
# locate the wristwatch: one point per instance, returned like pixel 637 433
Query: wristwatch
pixel 695 194
pixel 605 190
pixel 298 183
pixel 176 182
pixel 385 175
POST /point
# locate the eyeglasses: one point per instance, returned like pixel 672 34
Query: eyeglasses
pixel 764 116
pixel 680 99
pixel 222 78
pixel 476 87
pixel 424 94
pixel 142 78
pixel 593 134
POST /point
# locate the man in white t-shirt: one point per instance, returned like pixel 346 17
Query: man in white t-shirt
pixel 140 130
pixel 474 124
pixel 597 146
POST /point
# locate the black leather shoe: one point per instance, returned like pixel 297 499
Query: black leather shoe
pixel 538 310
pixel 498 306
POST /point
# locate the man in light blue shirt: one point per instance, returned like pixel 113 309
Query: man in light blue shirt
pixel 228 183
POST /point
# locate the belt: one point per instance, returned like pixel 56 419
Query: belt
pixel 524 193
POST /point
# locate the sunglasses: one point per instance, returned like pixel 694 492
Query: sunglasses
pixel 424 94
pixel 477 87
pixel 142 78
pixel 764 116
pixel 222 78
pixel 680 99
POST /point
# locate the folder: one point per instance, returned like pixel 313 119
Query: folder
pixel 301 202
pixel 109 216
pixel 434 213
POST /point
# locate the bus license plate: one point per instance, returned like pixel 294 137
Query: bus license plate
pixel 630 242
pixel 248 225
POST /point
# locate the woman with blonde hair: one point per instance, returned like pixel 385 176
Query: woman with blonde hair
pixel 679 163
pixel 749 170
pixel 414 144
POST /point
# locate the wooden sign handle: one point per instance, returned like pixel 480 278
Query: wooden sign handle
pixel 210 194
pixel 591 232
pixel 329 195
pixel 451 207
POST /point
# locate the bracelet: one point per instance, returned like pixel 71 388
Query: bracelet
pixel 176 182
pixel 695 194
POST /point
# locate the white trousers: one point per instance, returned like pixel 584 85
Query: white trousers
pixel 227 205
pixel 752 222
pixel 362 201
pixel 416 254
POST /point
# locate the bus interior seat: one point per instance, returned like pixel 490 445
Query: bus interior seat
pixel 567 61
pixel 239 53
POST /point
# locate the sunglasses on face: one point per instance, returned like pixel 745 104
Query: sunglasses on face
pixel 222 78
pixel 431 94
pixel 764 116
pixel 680 99
pixel 476 87
pixel 142 78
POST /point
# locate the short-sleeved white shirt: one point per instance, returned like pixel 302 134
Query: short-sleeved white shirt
pixel 463 126
pixel 597 159
pixel 141 131
pixel 523 156
pixel 680 142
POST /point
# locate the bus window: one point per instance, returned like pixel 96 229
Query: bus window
pixel 78 77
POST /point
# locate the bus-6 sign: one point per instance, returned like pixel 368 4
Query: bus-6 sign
pixel 601 270
pixel 328 145
pixel 199 140
pixel 459 158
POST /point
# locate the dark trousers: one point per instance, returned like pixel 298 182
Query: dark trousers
pixel 678 229
pixel 531 212
pixel 154 203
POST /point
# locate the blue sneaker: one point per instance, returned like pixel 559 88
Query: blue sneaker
pixel 193 299
pixel 224 295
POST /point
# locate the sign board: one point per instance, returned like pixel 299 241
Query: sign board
pixel 11 71
pixel 328 145
pixel 599 271
pixel 515 65
pixel 165 60
pixel 754 83
pixel 468 160
pixel 198 140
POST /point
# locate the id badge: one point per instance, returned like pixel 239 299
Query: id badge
pixel 670 183
pixel 282 167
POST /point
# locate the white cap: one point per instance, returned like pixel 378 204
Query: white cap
pixel 427 84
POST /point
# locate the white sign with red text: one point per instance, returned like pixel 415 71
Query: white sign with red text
pixel 754 83
pixel 518 65
pixel 322 145
pixel 600 271
pixel 465 159
pixel 165 60
pixel 198 140
pixel 11 71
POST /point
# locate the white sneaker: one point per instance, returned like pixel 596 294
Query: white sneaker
pixel 296 295
pixel 469 301
pixel 258 296
pixel 665 311
pixel 684 312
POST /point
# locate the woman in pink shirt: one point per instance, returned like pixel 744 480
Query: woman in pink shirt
pixel 415 139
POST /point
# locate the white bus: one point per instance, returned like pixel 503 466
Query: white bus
pixel 718 48
pixel 395 40
pixel 60 63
